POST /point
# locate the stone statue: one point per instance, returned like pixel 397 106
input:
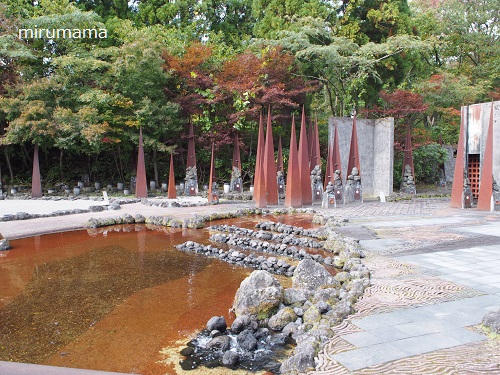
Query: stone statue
pixel 353 192
pixel 280 177
pixel 337 184
pixel 496 188
pixel 407 181
pixel 329 196
pixel 215 193
pixel 191 181
pixel 236 182
pixel 316 184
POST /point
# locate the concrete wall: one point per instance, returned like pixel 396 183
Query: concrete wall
pixel 479 117
pixel 376 151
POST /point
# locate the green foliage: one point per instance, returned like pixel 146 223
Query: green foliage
pixel 427 161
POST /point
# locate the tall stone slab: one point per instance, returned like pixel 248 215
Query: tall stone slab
pixel 141 188
pixel 269 164
pixel 36 181
pixel 304 170
pixel 172 192
pixel 293 196
pixel 484 200
pixel 458 175
pixel 191 157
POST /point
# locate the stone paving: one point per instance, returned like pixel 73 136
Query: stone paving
pixel 422 313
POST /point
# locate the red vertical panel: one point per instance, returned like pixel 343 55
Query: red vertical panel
pixel 458 176
pixel 486 183
pixel 305 172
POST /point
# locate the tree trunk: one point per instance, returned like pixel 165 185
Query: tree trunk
pixel 9 165
pixel 155 166
pixel 61 164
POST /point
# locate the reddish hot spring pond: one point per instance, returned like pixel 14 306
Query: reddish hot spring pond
pixel 113 299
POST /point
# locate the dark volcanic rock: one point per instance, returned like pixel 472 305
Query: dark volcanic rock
pixel 217 323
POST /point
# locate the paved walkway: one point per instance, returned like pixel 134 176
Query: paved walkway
pixel 429 293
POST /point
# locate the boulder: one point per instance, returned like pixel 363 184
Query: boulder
pixel 230 359
pixel 246 340
pixel 311 275
pixel 312 315
pixel 4 244
pixel 492 321
pixel 258 296
pixel 221 343
pixel 216 323
pixel 281 319
pixel 295 297
pixel 243 322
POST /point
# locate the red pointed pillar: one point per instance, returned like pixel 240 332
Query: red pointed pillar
pixel 141 189
pixel 236 152
pixel 212 175
pixel 329 166
pixel 293 195
pixel 484 201
pixel 172 193
pixel 315 151
pixel 269 164
pixel 408 153
pixel 259 192
pixel 353 150
pixel 458 176
pixel 280 165
pixel 304 170
pixel 36 181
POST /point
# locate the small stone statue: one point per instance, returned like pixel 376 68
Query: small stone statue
pixel 337 184
pixel 329 196
pixel 353 192
pixel 496 188
pixel 496 195
pixel 407 182
pixel 191 184
pixel 236 182
pixel 280 177
pixel 466 193
pixel 215 193
pixel 316 184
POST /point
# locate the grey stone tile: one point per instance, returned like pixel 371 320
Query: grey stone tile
pixel 490 279
pixel 464 336
pixel 462 319
pixel 368 356
pixel 417 328
pixel 362 339
pixel 490 289
pixel 416 345
pixel 442 340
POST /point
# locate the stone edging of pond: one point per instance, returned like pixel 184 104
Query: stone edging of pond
pixel 194 222
pixel 304 313
pixel 115 204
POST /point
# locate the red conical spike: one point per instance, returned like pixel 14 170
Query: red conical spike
pixel 293 195
pixel 172 193
pixel 36 181
pixel 269 164
pixel 212 175
pixel 305 172
pixel 353 150
pixel 259 156
pixel 141 189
